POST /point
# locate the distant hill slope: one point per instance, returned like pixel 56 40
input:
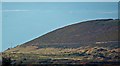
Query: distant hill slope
pixel 89 33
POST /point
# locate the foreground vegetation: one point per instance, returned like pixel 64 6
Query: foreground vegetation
pixel 80 55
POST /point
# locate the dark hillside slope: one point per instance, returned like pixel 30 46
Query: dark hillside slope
pixel 85 33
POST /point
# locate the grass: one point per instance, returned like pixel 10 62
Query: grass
pixel 87 54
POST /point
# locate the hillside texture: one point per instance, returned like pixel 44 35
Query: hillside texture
pixel 104 31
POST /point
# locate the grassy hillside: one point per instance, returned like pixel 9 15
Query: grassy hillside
pixel 79 55
pixel 80 34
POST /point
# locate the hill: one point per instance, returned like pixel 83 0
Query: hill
pixel 90 33
pixel 89 42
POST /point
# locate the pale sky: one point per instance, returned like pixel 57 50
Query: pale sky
pixel 60 0
pixel 0 27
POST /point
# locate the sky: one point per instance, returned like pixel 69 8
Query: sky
pixel 24 21
pixel 60 0
pixel 0 27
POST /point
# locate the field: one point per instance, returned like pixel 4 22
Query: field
pixel 86 55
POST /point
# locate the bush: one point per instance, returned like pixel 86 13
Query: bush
pixel 6 61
